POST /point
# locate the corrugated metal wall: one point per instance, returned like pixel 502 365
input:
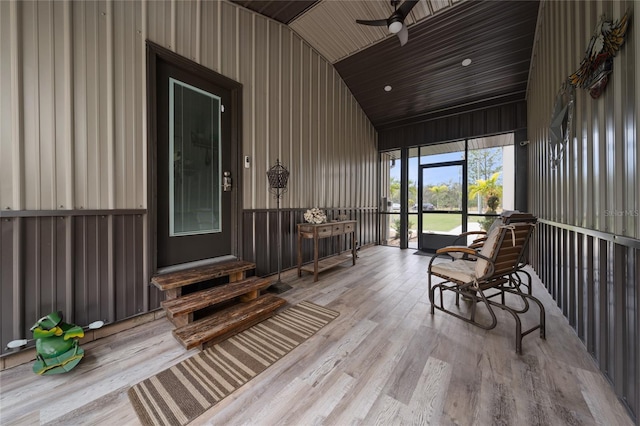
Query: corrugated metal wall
pixel 296 106
pixel 89 265
pixel 452 126
pixel 265 234
pixel 72 92
pixel 587 248
pixel 596 185
pixel 73 137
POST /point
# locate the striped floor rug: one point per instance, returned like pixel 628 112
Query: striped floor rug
pixel 181 393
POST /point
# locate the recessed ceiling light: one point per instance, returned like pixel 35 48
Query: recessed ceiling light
pixel 387 88
pixel 466 62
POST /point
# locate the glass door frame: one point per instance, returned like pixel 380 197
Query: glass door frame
pixel 447 239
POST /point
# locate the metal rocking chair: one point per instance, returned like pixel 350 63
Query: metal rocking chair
pixel 487 280
pixel 481 236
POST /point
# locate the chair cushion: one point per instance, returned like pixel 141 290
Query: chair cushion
pixel 482 266
pixel 459 270
pixel 494 225
pixel 476 243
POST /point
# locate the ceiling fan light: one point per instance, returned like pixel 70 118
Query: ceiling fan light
pixel 395 27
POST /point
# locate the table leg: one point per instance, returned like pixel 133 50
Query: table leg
pixel 315 259
pixel 353 247
pixel 299 254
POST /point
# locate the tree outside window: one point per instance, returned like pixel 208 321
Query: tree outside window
pixel 484 173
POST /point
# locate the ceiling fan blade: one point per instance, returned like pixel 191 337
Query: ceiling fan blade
pixel 403 35
pixel 375 23
pixel 406 7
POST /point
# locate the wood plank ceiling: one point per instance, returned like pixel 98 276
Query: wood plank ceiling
pixel 426 74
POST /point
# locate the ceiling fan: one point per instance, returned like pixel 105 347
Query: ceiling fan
pixel 395 22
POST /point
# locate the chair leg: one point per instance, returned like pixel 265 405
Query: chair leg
pixel 472 310
pixel 518 335
pixel 543 325
pixel 494 320
pixel 513 287
pixel 474 305
pixel 521 281
pixel 515 313
pixel 431 296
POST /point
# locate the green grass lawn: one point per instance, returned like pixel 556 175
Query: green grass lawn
pixel 436 222
pixel 443 222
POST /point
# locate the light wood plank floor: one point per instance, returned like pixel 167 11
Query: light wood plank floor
pixel 385 360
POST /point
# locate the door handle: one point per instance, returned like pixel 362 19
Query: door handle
pixel 226 181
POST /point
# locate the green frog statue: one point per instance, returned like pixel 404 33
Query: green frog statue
pixel 57 348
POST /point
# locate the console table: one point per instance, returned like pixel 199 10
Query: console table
pixel 325 230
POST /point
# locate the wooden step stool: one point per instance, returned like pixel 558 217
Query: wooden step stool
pixel 249 309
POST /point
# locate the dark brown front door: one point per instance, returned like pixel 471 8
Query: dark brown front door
pixel 193 162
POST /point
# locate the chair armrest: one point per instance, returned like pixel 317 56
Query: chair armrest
pixel 476 245
pixel 473 233
pixel 465 234
pixel 456 249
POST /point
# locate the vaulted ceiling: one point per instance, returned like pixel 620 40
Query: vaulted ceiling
pixel 426 75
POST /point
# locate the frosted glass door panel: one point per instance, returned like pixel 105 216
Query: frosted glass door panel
pixel 194 160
